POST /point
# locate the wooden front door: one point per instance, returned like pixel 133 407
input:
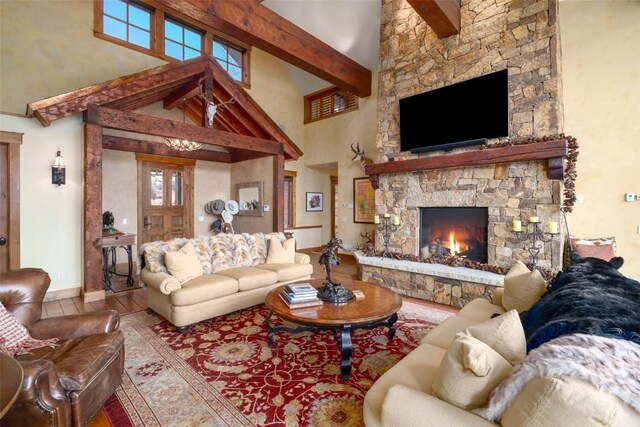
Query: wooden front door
pixel 165 198
pixel 9 201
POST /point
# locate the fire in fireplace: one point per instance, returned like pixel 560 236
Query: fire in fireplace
pixel 454 231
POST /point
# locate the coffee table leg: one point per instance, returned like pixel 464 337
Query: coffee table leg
pixel 270 327
pixel 345 352
pixel 390 323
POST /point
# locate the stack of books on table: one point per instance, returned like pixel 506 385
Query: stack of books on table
pixel 300 295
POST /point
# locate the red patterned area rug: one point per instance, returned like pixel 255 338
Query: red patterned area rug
pixel 222 372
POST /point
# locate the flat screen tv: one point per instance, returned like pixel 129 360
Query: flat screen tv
pixel 459 115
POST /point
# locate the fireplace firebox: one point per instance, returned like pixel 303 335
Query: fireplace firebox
pixel 457 231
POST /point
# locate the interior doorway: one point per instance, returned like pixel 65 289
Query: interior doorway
pixel 9 200
pixel 165 198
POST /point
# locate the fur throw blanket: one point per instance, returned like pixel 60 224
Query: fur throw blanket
pixel 611 365
pixel 590 296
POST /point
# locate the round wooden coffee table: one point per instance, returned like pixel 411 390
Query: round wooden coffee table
pixel 379 307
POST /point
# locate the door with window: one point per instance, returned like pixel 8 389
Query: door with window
pixel 165 198
pixel 9 200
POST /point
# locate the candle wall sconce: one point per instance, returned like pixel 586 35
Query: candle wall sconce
pixel 533 234
pixel 58 171
pixel 386 227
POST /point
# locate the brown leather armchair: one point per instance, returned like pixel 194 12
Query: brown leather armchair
pixel 68 384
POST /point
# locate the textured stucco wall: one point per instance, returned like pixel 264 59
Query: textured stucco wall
pixel 601 80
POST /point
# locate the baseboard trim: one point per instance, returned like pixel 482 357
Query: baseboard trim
pixel 93 296
pixel 62 294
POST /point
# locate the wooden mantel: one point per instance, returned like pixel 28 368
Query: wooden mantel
pixel 552 151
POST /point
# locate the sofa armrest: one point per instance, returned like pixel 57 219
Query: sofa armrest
pixel 404 406
pixel 301 258
pixel 161 282
pixel 76 325
pixel 497 296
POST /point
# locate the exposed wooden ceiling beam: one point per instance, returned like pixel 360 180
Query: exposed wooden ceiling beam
pixel 255 24
pixel 133 122
pixel 57 107
pixel 185 92
pixel 111 142
pixel 443 16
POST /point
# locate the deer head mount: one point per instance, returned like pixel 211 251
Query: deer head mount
pixel 360 157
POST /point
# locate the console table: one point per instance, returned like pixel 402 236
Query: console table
pixel 111 242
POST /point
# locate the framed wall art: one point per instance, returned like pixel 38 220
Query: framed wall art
pixel 314 202
pixel 364 201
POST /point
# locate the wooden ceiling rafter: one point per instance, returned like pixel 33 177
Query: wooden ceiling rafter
pixel 60 106
pixel 257 25
pixel 170 84
pixel 443 16
pixel 181 94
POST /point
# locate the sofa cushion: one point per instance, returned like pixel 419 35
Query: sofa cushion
pixel 522 287
pixel 229 251
pixel 204 288
pixel 504 334
pixel 469 371
pixel 183 264
pixel 288 272
pixel 542 400
pixel 281 253
pixel 603 248
pixel 154 253
pixel 417 370
pixel 79 360
pixel 443 335
pixel 480 309
pixel 250 277
pixel 404 406
pixel 259 245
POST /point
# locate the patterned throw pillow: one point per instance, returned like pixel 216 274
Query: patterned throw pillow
pixel 259 245
pixel 14 337
pixel 604 248
pixel 154 253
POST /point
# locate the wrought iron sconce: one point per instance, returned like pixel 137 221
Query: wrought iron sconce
pixel 532 234
pixel 386 227
pixel 58 174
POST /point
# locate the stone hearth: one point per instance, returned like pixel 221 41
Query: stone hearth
pixel 439 283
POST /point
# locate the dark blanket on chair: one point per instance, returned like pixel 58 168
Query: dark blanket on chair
pixel 591 297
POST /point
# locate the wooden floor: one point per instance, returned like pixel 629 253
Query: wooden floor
pixel 136 300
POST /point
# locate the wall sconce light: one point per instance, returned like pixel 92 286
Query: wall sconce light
pixel 58 171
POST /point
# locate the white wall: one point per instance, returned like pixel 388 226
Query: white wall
pixel 50 215
pixel 601 80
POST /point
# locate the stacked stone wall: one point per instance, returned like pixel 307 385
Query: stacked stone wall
pixel 520 36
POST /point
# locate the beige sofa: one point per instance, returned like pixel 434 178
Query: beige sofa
pixel 236 273
pixel 404 395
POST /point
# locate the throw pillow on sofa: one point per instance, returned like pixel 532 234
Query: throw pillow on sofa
pixel 281 253
pixel 184 264
pixel 468 373
pixel 522 287
pixel 504 334
pixel 604 248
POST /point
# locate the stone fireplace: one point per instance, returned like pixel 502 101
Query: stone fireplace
pixel 454 231
pixel 510 182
